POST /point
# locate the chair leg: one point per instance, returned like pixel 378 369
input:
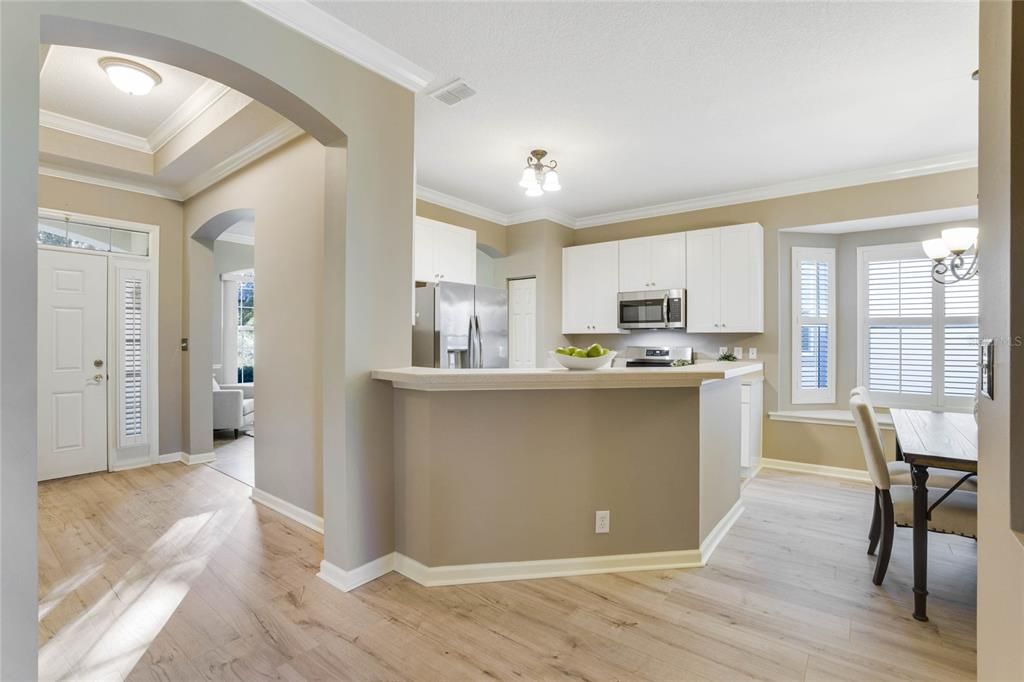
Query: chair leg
pixel 236 434
pixel 888 528
pixel 876 525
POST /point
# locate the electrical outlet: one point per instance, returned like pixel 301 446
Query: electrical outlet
pixel 752 354
pixel 602 521
pixel 722 350
pixel 738 352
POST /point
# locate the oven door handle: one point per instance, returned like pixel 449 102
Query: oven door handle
pixel 664 309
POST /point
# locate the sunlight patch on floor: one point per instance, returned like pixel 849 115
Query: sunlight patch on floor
pixel 108 639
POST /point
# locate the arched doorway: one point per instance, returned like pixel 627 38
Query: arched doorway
pixel 368 241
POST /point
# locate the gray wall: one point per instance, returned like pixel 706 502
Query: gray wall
pixel 227 257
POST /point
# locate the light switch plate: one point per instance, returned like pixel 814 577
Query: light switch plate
pixel 752 354
pixel 738 352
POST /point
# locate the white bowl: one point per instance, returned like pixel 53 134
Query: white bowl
pixel 572 362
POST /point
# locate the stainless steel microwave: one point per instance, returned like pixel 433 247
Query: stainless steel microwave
pixel 665 309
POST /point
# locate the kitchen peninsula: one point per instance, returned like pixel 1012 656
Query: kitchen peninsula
pixel 500 472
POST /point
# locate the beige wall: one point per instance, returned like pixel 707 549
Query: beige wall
pixel 285 189
pixel 490 235
pixel 535 250
pixel 99 201
pixel 492 490
pixel 1001 431
pixel 823 444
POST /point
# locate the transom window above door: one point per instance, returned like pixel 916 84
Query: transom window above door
pixel 73 234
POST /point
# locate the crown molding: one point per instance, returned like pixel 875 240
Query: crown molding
pixel 896 171
pixel 461 205
pixel 151 188
pixel 74 126
pixel 554 215
pixel 208 94
pixel 279 135
pixel 478 211
pixel 317 25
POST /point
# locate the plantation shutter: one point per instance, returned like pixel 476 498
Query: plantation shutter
pixel 813 325
pixel 920 337
pixel 132 296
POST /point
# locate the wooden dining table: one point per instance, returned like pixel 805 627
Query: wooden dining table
pixel 924 439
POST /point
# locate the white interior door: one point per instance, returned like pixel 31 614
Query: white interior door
pixel 522 322
pixel 72 364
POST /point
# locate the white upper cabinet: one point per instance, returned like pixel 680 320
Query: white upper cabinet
pixel 653 263
pixel 725 279
pixel 590 285
pixel 443 252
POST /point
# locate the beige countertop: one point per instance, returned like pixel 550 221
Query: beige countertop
pixel 432 379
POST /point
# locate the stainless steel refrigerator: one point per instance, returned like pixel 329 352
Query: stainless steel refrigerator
pixel 460 325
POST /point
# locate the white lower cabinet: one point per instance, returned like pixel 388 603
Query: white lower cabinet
pixel 590 286
pixel 751 415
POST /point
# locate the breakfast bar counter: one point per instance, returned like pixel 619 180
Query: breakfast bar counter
pixel 501 474
pixel 432 379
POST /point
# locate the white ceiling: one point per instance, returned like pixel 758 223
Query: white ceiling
pixel 648 103
pixel 72 83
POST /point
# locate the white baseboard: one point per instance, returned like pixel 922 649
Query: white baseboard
pixel 293 512
pixel 819 469
pixel 434 576
pixel 170 457
pixel 350 580
pixel 718 533
pixel 198 458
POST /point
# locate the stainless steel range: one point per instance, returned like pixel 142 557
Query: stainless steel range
pixel 655 356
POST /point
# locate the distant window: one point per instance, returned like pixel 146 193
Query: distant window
pixel 919 338
pixel 814 323
pixel 246 329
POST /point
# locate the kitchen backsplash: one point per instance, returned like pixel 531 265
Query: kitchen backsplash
pixel 705 346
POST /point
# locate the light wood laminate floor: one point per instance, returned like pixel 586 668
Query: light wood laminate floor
pixel 172 573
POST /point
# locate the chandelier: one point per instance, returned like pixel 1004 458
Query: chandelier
pixel 539 177
pixel 948 252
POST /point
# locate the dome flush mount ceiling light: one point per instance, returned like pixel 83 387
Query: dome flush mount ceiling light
pixel 539 177
pixel 130 77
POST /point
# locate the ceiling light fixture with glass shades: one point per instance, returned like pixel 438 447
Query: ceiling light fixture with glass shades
pixel 539 177
pixel 948 253
pixel 130 77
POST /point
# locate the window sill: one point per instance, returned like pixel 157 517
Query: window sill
pixel 825 417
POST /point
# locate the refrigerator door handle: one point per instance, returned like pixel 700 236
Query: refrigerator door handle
pixel 471 350
pixel 479 342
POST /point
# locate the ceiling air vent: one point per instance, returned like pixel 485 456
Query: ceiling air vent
pixel 453 93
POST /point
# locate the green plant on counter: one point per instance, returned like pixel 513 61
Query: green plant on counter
pixel 727 357
pixel 595 350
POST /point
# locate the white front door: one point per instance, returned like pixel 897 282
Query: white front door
pixel 72 364
pixel 522 323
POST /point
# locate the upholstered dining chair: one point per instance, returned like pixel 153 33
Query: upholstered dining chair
pixel 949 512
pixel 899 472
